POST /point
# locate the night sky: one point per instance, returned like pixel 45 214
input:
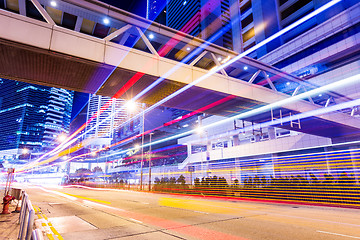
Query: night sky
pixel 134 6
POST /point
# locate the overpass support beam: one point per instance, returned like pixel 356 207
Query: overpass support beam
pixel 43 13
pixel 22 7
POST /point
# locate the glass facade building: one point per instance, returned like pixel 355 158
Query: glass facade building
pixel 32 117
pixel 202 19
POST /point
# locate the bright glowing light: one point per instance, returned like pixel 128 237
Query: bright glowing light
pixel 188 49
pixel 288 83
pixel 131 106
pixel 185 125
pixel 61 137
pixel 151 36
pixel 25 151
pixel 137 146
pixel 219 59
pixel 245 68
pixel 184 3
pixel 53 3
pixel 320 95
pixel 93 153
pixel 106 21
pixel 65 157
pixel 199 130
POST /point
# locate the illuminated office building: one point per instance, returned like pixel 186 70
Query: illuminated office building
pixel 109 118
pixel 32 117
pixel 202 19
pixel 252 21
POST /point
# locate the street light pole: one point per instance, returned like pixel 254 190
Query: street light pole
pixel 142 151
pixel 150 162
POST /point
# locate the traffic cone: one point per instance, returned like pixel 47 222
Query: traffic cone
pixel 18 206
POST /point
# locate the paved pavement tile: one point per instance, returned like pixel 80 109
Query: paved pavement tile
pixel 9 227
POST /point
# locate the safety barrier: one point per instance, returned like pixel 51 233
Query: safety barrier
pixel 26 218
pixel 37 235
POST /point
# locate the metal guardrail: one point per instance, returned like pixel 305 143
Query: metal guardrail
pixel 37 235
pixel 26 218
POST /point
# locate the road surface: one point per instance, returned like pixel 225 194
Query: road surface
pixel 76 213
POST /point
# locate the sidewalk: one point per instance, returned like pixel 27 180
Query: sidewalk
pixel 9 227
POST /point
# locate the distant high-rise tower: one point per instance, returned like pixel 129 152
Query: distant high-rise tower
pixel 201 18
pixel 109 118
pixel 32 117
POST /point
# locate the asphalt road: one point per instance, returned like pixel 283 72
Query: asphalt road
pixel 73 213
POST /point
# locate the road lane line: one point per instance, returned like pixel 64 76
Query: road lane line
pixel 201 212
pixel 136 220
pixel 50 236
pixel 338 234
pixel 46 225
pixel 86 198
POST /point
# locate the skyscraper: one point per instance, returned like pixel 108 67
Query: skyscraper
pixel 259 19
pixel 107 118
pixel 201 18
pixel 32 117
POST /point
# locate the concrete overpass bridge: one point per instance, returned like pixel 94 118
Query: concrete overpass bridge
pixel 91 47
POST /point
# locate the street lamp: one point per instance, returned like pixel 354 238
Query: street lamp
pixel 131 106
pixel 26 151
pixel 142 150
pixel 200 130
pixel 61 138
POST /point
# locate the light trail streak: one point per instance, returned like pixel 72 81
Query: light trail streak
pixel 280 103
pixel 293 25
pixel 164 50
pixel 269 106
pixel 230 61
pixel 35 163
pixel 284 120
pixel 264 42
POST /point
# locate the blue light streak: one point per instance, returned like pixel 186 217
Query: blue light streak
pixel 214 70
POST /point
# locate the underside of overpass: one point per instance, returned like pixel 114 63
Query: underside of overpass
pixel 39 66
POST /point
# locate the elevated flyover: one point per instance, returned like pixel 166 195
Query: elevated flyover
pixel 92 47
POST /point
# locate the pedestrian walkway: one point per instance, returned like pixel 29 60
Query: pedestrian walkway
pixel 9 224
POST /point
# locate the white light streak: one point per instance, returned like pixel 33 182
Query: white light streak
pixel 257 46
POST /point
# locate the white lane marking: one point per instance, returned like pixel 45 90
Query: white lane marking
pixel 58 193
pixel 201 212
pixel 101 205
pixel 136 220
pixel 338 234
